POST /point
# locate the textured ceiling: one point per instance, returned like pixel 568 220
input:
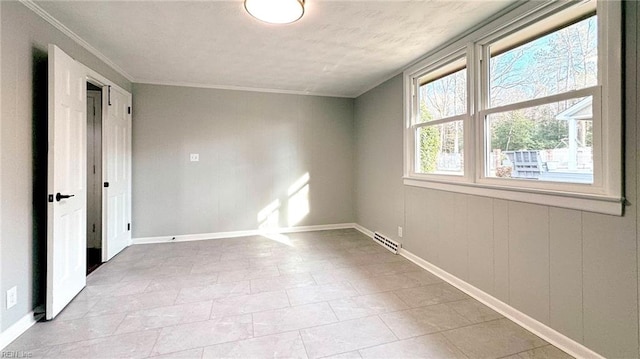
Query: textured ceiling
pixel 340 48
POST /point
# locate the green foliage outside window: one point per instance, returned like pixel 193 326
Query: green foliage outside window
pixel 429 143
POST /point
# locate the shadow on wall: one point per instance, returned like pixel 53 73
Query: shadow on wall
pixel 286 212
pixel 39 145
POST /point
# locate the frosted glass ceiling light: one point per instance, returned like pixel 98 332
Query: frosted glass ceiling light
pixel 275 11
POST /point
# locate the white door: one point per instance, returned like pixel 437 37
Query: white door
pixel 116 132
pixel 67 158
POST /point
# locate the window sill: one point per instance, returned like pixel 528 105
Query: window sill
pixel 584 202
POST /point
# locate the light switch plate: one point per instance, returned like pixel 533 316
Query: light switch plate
pixel 12 297
pixel 399 231
pixel 194 157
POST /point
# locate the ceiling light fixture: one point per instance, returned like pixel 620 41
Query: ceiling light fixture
pixel 275 11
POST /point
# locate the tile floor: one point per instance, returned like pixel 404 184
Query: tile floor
pixel 306 295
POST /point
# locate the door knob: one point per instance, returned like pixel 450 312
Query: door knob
pixel 63 196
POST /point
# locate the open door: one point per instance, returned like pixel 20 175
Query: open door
pixel 67 158
pixel 116 137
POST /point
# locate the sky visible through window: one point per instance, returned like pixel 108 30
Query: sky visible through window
pixel 562 61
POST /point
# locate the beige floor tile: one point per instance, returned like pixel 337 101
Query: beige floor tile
pixel 103 277
pixel 546 352
pixel 385 283
pixel 430 294
pixel 177 250
pixel 77 309
pixel 184 354
pixel 320 293
pixel 367 305
pixel 349 355
pixel 248 274
pixel 65 331
pixel 372 248
pixel 191 261
pixel 423 320
pixel 220 266
pixel 293 318
pixel 214 291
pixel 306 266
pixel 112 290
pixel 284 257
pixel 493 339
pixel 345 336
pixel 160 271
pixel 201 334
pixel 244 304
pixel 285 345
pixel 129 265
pixel 391 268
pixel 350 274
pixel 288 281
pixel 363 259
pixel 249 253
pixel 130 345
pixel 474 311
pixel 191 280
pixel 129 303
pixel 422 277
pixel 433 346
pixel 165 316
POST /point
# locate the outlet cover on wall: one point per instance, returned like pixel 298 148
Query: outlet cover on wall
pixel 12 297
pixel 399 231
pixel 194 157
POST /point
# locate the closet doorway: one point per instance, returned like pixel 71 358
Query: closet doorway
pixel 94 177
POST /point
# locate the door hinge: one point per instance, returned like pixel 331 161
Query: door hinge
pixel 106 184
pixel 94 227
pixel 129 110
pixel 50 198
pixel 94 169
pixel 128 226
pixel 109 95
pixel 94 110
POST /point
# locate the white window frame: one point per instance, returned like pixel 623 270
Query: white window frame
pixel 465 117
pixel 605 195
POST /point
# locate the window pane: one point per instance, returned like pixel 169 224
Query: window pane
pixel 561 61
pixel 440 149
pixel 552 142
pixel 443 97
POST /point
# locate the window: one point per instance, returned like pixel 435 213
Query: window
pixel 442 109
pixel 526 107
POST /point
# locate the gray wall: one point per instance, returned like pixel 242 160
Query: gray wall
pixel 574 271
pixel 253 146
pixel 379 191
pixel 25 37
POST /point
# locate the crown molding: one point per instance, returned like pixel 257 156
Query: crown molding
pixel 237 88
pixel 75 37
pixel 380 82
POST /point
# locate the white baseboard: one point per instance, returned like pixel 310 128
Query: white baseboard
pixel 256 232
pixel 363 230
pixel 545 332
pixel 19 327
